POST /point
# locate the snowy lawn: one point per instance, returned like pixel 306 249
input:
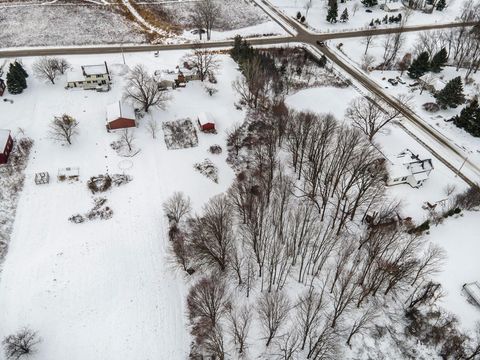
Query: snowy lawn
pixel 358 17
pixel 105 289
pixel 460 240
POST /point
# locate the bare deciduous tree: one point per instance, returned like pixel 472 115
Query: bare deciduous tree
pixel 152 126
pixel 207 300
pixel 144 90
pixel 21 344
pixel 204 61
pixel 214 343
pixel 273 309
pixel 127 137
pixel 240 320
pixel 46 68
pixel 63 128
pixel 369 116
pixel 177 206
pixel 61 64
pixel 211 234
pixel 310 308
pixel 361 323
pixel 204 14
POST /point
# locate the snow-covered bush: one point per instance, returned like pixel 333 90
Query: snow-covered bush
pixel 207 168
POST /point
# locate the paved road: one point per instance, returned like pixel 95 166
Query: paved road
pixel 299 34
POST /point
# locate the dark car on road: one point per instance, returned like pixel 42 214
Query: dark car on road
pixel 320 43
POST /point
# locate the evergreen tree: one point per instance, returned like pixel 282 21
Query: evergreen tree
pixel 369 3
pixel 299 15
pixel 15 81
pixel 441 5
pixel 469 118
pixel 452 94
pixel 332 14
pixel 21 74
pixel 371 23
pixel 20 69
pixel 419 66
pixel 344 16
pixel 439 60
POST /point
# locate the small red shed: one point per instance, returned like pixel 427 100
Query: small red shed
pixel 2 87
pixel 6 145
pixel 205 121
pixel 120 116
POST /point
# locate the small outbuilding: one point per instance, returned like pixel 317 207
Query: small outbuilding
pixel 6 145
pixel 473 291
pixel 2 87
pixel 206 122
pixel 120 116
pixel 42 178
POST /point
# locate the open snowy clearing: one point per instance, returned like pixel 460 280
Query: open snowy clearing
pixel 458 237
pixel 105 289
pixel 358 17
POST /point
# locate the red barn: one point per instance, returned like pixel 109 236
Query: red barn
pixel 6 145
pixel 2 87
pixel 206 123
pixel 120 116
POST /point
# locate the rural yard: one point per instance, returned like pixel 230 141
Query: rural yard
pixel 253 179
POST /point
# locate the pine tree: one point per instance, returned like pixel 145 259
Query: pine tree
pixel 332 12
pixel 439 60
pixel 469 118
pixel 419 66
pixel 20 69
pixel 21 74
pixel 441 5
pixel 15 81
pixel 452 94
pixel 344 16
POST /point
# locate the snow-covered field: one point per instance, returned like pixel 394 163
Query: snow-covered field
pixel 37 25
pixel 59 24
pixel 460 240
pixel 105 289
pixel 358 17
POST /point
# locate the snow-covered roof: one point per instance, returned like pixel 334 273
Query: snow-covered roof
pixel 393 6
pixel 4 135
pixel 407 163
pixel 95 69
pixel 205 118
pixel 120 109
pixel 75 75
pixel 398 171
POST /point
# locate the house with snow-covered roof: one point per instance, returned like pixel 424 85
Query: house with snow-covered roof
pixel 120 115
pixel 89 77
pixel 409 168
pixel 6 145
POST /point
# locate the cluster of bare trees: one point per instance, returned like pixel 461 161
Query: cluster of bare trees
pixel 203 61
pixel 462 43
pixel 48 68
pixel 306 228
pixel 20 345
pixel 204 15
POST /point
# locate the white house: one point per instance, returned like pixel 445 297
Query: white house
pixel 408 168
pixel 89 77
